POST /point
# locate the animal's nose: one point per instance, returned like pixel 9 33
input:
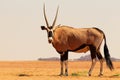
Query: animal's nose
pixel 50 40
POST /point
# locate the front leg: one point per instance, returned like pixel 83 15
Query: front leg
pixel 61 71
pixel 64 61
pixel 66 67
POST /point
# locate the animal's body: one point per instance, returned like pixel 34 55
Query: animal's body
pixel 65 39
pixel 76 39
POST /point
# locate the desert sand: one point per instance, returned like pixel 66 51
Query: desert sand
pixel 49 70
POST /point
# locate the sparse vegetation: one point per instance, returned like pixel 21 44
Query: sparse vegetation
pixel 22 74
pixel 117 75
pixel 79 73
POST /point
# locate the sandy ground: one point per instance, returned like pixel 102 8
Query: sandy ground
pixel 49 70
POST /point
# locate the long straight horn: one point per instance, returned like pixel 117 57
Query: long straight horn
pixel 55 17
pixel 45 16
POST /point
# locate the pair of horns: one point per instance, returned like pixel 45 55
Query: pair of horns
pixel 46 17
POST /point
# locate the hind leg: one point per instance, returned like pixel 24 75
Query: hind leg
pixel 93 57
pixel 101 62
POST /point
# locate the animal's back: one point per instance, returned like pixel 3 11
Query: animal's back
pixel 68 38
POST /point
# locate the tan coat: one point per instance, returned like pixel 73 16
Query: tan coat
pixel 68 38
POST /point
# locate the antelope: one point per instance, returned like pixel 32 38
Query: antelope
pixel 68 39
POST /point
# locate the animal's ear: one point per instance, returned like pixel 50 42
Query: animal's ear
pixel 43 27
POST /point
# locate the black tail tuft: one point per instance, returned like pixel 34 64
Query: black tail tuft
pixel 107 57
pixel 106 52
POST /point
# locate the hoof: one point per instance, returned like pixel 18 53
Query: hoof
pixel 100 75
pixel 63 75
pixel 66 74
pixel 60 75
pixel 89 74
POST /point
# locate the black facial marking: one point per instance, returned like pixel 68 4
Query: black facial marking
pixel 50 34
pixel 50 27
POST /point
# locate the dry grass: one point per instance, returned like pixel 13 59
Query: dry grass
pixel 49 70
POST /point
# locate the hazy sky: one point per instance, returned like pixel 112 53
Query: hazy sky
pixel 22 39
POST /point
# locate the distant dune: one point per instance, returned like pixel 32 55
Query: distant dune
pixel 82 58
pixel 51 58
pixel 88 58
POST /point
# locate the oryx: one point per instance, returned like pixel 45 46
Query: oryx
pixel 66 38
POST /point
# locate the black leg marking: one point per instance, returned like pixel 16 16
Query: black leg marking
pixel 93 56
pixel 64 56
pixel 64 61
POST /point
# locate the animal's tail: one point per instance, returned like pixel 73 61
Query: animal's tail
pixel 107 55
pixel 106 52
